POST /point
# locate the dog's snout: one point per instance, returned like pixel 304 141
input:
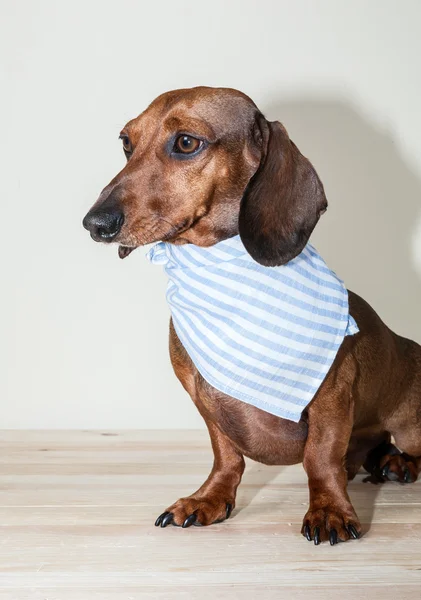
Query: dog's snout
pixel 104 225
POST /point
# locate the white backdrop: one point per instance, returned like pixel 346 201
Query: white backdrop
pixel 85 334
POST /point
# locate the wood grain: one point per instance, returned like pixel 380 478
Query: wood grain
pixel 77 512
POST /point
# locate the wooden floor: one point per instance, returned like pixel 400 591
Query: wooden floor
pixel 77 516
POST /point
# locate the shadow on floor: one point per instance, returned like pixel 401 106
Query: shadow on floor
pixel 257 477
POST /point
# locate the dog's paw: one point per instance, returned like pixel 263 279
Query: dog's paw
pixel 197 511
pixel 329 523
pixel 387 463
pixel 392 466
pixel 399 468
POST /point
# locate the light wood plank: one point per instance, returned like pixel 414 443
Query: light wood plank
pixel 77 512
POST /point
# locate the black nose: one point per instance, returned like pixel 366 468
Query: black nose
pixel 105 224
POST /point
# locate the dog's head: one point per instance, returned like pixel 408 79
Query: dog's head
pixel 203 164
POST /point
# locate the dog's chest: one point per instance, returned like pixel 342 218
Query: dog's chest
pixel 256 433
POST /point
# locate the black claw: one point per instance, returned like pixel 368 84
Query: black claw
pixel 385 471
pixel 316 536
pixel 228 511
pixel 307 532
pixel 159 519
pixel 167 519
pixel 189 521
pixel 353 532
pixel 407 477
pixel 333 537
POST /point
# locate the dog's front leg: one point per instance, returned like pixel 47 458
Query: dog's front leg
pixel 331 515
pixel 215 499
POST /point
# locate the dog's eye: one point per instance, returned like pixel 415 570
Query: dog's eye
pixel 186 144
pixel 127 145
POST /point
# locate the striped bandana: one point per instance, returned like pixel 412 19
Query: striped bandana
pixel 264 335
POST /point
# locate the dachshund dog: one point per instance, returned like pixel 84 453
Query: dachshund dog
pixel 204 165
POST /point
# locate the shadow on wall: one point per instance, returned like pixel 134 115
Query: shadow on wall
pixel 374 205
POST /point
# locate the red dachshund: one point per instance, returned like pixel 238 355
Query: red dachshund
pixel 204 165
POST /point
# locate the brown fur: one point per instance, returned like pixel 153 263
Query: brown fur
pixel 251 179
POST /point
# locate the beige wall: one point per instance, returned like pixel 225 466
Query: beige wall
pixel 85 334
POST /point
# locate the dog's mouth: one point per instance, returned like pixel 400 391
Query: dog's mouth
pixel 170 236
pixel 124 251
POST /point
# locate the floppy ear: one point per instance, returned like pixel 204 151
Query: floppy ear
pixel 283 200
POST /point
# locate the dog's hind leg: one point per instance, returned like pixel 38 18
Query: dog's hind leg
pixel 365 447
pixel 403 462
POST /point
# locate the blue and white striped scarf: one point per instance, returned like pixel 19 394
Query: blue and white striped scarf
pixel 264 335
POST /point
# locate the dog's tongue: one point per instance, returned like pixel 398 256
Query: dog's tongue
pixel 124 251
